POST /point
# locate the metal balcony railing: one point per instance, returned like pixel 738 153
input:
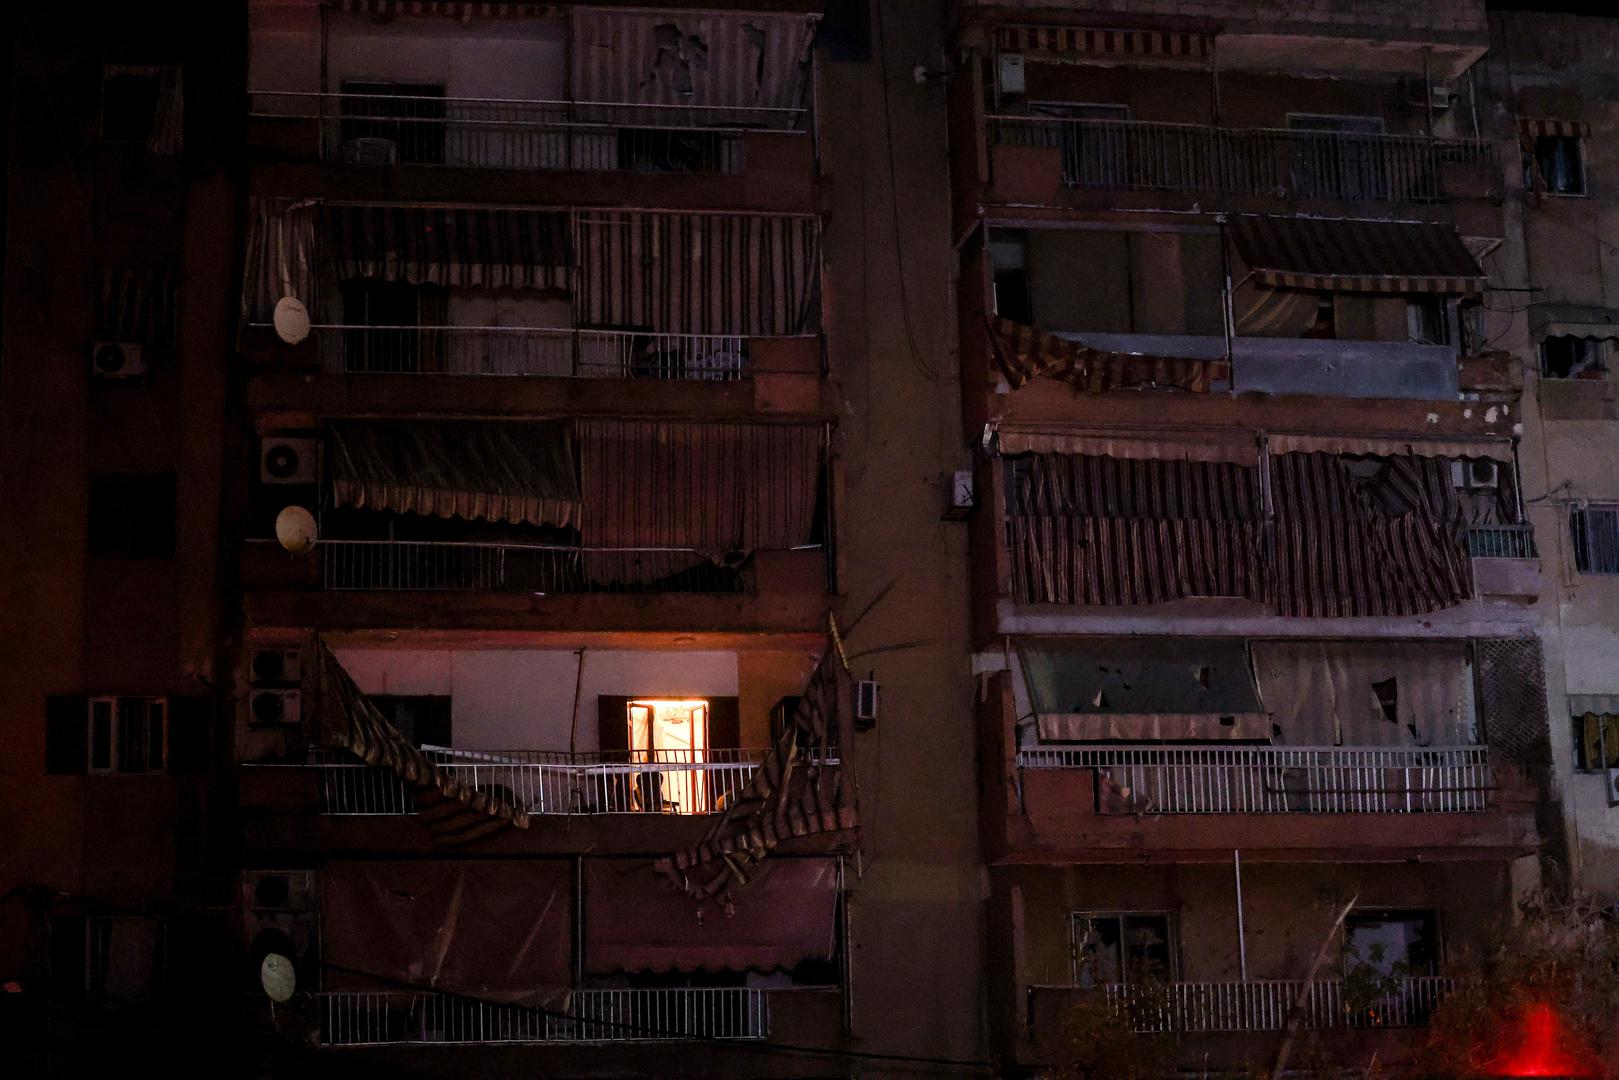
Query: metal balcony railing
pixel 506 133
pixel 1136 156
pixel 553 782
pixel 1502 541
pixel 450 566
pixel 1279 779
pixel 1219 1007
pixel 591 1016
pixel 524 350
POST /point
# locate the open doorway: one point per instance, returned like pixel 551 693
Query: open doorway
pixel 671 736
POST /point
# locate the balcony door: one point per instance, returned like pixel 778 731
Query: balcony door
pixel 1114 948
pixel 670 755
pixel 388 122
pixel 1094 142
pixel 1336 157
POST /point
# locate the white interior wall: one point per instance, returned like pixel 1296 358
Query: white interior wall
pixel 522 699
pixel 524 59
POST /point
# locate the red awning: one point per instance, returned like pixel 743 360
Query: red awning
pixel 637 920
pixel 495 930
pixel 1388 257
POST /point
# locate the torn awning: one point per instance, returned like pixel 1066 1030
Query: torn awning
pixel 465 247
pixel 455 811
pixel 1024 353
pixel 1341 255
pixel 1392 446
pixel 517 472
pixel 1142 688
pixel 1367 693
pixel 636 920
pixel 497 930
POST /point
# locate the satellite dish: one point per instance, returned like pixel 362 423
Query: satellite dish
pixel 291 320
pixel 278 977
pixel 296 530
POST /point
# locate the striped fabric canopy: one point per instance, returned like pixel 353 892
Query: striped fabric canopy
pixel 1024 353
pixel 455 812
pixel 797 790
pixel 1082 41
pixel 1568 129
pixel 1342 255
pixel 451 246
pixel 454 9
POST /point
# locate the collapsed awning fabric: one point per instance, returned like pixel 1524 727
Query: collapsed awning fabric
pixel 1080 41
pixel 455 811
pixel 799 789
pixel 498 930
pixel 1574 129
pixel 691 58
pixel 1105 531
pixel 1387 446
pixel 749 274
pixel 712 492
pixel 450 246
pixel 1366 693
pixel 1024 353
pixel 281 258
pixel 1241 449
pixel 638 921
pixel 1387 257
pixel 1357 541
pixel 516 472
pixel 1142 688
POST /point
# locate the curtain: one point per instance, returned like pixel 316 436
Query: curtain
pixel 1023 353
pixel 1265 312
pixel 281 257
pixel 1105 531
pixel 756 275
pixel 137 303
pixel 450 246
pixel 697 491
pixel 1366 537
pixel 1364 693
pixel 168 121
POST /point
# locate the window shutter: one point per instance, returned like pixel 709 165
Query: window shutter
pixel 613 731
pixel 724 724
pixel 66 733
pixel 190 720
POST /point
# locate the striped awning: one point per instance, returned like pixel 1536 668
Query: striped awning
pixel 1570 129
pixel 1344 255
pixel 1078 41
pixel 454 811
pixel 518 472
pixel 453 9
pixel 1392 446
pixel 449 245
pixel 1024 353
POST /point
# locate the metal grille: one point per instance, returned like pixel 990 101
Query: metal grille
pixel 1512 698
pixel 448 566
pixel 1502 542
pixel 1595 532
pixel 1194 1007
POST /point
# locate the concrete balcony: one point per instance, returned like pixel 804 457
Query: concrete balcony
pixel 1049 160
pixel 1506 563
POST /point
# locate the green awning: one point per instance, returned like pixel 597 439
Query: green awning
pixel 491 471
pixel 1142 688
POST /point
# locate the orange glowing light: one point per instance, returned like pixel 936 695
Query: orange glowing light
pixel 1546 1048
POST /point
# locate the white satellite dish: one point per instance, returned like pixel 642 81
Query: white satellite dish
pixel 295 528
pixel 278 977
pixel 291 320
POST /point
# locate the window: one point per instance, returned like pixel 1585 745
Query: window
pixel 407 117
pixel 1596 742
pixel 1595 533
pixel 1392 943
pixel 1563 356
pixel 670 733
pixel 123 958
pixel 132 515
pixel 1094 154
pixel 423 719
pixel 1555 165
pixel 1111 948
pixel 129 103
pixel 1009 258
pixel 127 734
pixel 1335 157
pixel 1429 320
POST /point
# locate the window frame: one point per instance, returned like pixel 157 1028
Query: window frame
pixel 1580 539
pixel 114 764
pixel 1581 764
pixel 1172 939
pixel 1399 913
pixel 1532 168
pixel 1599 365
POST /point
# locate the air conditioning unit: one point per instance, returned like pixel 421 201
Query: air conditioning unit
pixel 270 708
pixel 370 150
pixel 265 891
pixel 865 703
pixel 960 496
pixel 117 360
pixel 289 461
pixel 1613 787
pixel 277 666
pixel 1478 474
pixel 1011 73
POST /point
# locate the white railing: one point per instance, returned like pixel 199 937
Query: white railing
pixel 449 566
pixel 1216 1007
pixel 1502 541
pixel 524 350
pixel 507 133
pixel 629 1015
pixel 1278 779
pixel 1135 155
pixel 545 782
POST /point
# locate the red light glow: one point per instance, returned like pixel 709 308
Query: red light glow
pixel 1544 1049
